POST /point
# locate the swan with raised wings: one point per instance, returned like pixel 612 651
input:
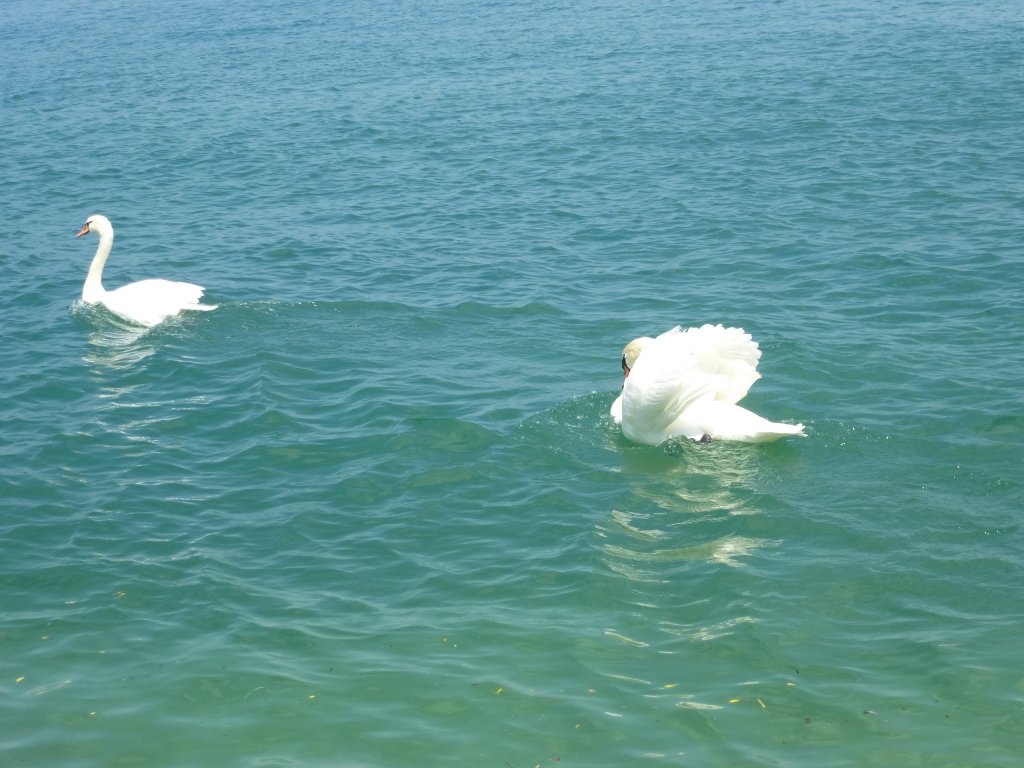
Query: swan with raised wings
pixel 146 302
pixel 688 383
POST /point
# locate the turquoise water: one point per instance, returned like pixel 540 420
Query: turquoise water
pixel 373 512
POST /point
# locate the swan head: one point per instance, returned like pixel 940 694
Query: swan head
pixel 631 352
pixel 98 224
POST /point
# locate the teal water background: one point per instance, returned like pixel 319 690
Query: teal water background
pixel 373 512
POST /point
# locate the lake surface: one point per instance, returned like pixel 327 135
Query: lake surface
pixel 373 512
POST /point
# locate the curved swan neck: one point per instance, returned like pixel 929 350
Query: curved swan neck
pixel 93 290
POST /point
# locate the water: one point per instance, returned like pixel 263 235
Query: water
pixel 373 511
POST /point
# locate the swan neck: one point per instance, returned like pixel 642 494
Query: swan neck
pixel 93 291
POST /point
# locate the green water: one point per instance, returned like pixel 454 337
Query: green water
pixel 373 510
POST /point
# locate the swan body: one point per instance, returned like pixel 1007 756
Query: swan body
pixel 688 383
pixel 146 302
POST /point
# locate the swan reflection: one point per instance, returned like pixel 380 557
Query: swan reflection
pixel 682 507
pixel 649 554
pixel 118 345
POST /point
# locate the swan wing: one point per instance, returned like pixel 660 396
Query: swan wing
pixel 150 301
pixel 665 382
pixel 729 355
pixel 616 410
pixel 728 358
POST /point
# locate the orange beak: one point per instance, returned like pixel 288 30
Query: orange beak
pixel 85 230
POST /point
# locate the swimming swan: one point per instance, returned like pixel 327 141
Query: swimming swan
pixel 146 302
pixel 687 384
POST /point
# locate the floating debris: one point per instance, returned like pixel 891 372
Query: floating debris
pixel 697 705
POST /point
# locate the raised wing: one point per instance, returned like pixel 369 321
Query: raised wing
pixel 729 355
pixel 666 380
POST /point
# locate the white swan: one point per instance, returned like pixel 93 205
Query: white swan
pixel 146 302
pixel 687 384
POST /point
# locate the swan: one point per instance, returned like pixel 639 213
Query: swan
pixel 146 302
pixel 687 384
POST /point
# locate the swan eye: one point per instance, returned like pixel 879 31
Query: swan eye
pixel 624 366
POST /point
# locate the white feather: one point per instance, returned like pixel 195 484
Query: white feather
pixel 146 302
pixel 688 383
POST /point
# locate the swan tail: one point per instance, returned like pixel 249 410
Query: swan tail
pixel 721 421
pixel 778 431
pixel 768 432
